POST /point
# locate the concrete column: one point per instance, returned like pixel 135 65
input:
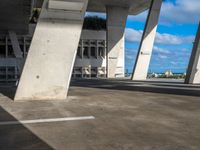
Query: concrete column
pixel 48 67
pixel 15 44
pixel 145 50
pixel 24 46
pixel 193 72
pixel 17 50
pixel 6 46
pixel 116 21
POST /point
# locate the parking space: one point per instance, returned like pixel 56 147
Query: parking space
pixel 126 116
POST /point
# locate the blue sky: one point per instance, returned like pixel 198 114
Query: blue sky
pixel 176 32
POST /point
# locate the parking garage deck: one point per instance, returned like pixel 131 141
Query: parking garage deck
pixel 128 115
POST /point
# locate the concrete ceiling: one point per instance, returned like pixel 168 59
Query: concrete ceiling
pixel 136 6
pixel 14 15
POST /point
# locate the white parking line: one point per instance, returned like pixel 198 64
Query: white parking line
pixel 47 120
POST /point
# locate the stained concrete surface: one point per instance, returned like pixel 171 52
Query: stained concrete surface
pixel 128 116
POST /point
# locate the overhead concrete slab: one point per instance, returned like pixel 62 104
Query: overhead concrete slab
pixel 14 16
pixel 136 6
pixel 67 6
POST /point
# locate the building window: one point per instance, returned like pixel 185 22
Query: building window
pixel 2 47
pixel 86 52
pixel 79 52
pixel 86 72
pixel 101 43
pixel 101 52
pixel 86 42
pixel 93 52
pixel 93 72
pixel 11 73
pixel 93 42
pixel 101 72
pixel 10 51
pixel 2 73
pixel 77 72
pixel 2 51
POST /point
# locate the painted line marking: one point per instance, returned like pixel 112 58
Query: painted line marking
pixel 47 120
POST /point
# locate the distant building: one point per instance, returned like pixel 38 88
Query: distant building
pixel 91 59
pixel 153 75
pixel 168 73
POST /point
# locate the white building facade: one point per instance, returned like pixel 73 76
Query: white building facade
pixel 91 59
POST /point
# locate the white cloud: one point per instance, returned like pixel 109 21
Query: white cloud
pixel 162 57
pixel 182 11
pixel 140 17
pixel 161 53
pixel 130 57
pixel 159 50
pixel 165 38
pixel 173 63
pixel 130 54
pixel 102 15
pixel 133 35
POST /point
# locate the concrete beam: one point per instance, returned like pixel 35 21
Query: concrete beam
pixel 17 50
pixel 48 67
pixel 116 21
pixel 136 6
pixel 146 46
pixel 15 44
pixel 193 72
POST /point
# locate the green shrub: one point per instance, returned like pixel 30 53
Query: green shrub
pixel 94 23
pixel 35 15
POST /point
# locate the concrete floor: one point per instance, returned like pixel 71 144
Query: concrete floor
pixel 128 116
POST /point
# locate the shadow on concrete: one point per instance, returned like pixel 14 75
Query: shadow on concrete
pixel 8 91
pixel 18 136
pixel 177 86
pixel 156 81
pixel 171 88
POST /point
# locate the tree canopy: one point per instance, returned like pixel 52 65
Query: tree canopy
pixel 90 22
pixel 94 23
